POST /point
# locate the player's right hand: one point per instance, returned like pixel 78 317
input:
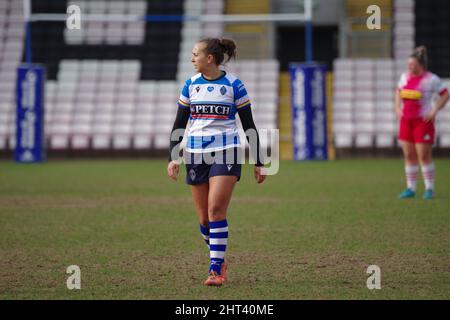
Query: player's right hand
pixel 172 170
pixel 399 113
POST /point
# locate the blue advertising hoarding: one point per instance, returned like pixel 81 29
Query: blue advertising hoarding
pixel 308 96
pixel 30 114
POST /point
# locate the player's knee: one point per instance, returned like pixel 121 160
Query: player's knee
pixel 425 159
pixel 216 212
pixel 411 159
pixel 411 156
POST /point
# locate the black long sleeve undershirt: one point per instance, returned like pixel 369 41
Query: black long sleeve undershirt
pixel 181 121
pixel 247 123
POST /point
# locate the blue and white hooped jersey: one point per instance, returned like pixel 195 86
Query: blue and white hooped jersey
pixel 213 105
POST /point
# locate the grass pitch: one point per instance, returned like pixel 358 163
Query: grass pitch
pixel 309 232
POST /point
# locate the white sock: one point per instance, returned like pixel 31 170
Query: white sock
pixel 411 176
pixel 428 176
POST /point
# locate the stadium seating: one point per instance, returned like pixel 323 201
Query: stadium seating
pixel 363 103
pixel 193 31
pixel 364 89
pixel 260 78
pixel 114 85
pixel 110 85
pixel 403 29
pixel 99 99
pixel 11 47
pixel 97 33
pixel 443 124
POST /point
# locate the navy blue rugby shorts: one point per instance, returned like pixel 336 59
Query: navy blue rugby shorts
pixel 202 166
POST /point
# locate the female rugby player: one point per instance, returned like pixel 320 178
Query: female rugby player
pixel 209 101
pixel 415 110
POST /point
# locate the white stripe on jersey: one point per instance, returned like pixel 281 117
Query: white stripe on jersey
pixel 213 105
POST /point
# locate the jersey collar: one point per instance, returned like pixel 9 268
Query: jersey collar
pixel 224 73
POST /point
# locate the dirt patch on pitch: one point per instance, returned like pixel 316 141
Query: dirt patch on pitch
pixel 88 202
pixel 79 202
pixel 112 272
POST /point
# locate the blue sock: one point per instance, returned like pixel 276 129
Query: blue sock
pixel 218 237
pixel 205 234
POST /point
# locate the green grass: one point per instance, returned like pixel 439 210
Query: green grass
pixel 309 232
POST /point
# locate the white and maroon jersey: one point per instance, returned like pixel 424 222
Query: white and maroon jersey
pixel 417 93
pixel 213 105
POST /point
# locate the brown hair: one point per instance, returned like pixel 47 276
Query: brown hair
pixel 219 47
pixel 420 54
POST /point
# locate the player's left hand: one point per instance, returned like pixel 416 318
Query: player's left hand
pixel 258 175
pixel 431 116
